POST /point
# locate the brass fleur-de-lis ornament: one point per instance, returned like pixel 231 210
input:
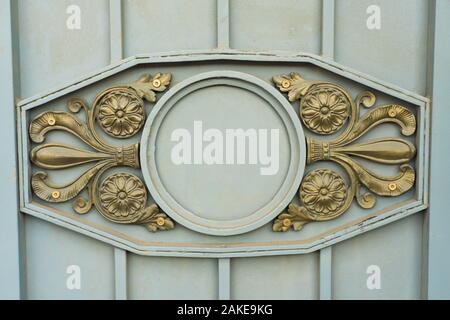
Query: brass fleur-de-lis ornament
pixel 324 109
pixel 119 111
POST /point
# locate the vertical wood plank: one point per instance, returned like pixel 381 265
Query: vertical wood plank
pixel 224 279
pixel 223 24
pixel 328 23
pixel 120 255
pixel 115 21
pixel 439 217
pixel 11 242
pixel 120 269
pixel 325 273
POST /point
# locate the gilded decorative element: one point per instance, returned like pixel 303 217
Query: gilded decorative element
pixel 120 112
pixel 121 109
pixel 122 199
pixel 122 195
pixel 324 107
pixel 323 193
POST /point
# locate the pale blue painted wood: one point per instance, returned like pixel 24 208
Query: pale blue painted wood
pixel 120 270
pixel 161 26
pixel 276 36
pixel 276 278
pixel 439 213
pixel 224 278
pixel 265 25
pixel 223 24
pixel 50 53
pixel 396 249
pixel 328 23
pixel 328 38
pixel 51 251
pixel 11 266
pixel 397 52
pixel 116 53
pixel 172 278
pixel 115 22
pixel 325 273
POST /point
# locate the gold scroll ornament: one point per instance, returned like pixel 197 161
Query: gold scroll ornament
pixel 119 111
pixel 324 109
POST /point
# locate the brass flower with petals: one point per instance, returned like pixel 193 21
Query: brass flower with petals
pixel 324 110
pixel 121 113
pixel 122 196
pixel 323 192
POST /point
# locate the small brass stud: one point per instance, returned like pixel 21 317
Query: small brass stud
pixel 156 83
pixel 287 222
pixel 51 121
pixel 160 221
pixel 56 194
pixel 285 84
pixel 392 113
pixel 392 186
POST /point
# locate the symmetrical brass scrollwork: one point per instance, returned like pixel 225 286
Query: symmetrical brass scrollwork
pixel 324 109
pixel 120 113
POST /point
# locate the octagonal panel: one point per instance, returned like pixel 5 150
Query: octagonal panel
pixel 350 154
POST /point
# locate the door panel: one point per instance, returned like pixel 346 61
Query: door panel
pixel 52 250
pixel 267 25
pixel 50 55
pixel 322 40
pixel 148 25
pixel 398 255
pixel 172 278
pixel 397 52
pixel 289 277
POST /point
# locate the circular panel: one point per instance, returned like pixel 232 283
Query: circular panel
pixel 223 153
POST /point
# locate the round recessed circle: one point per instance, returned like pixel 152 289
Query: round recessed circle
pixel 223 153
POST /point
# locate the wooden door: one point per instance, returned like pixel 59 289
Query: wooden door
pixel 94 95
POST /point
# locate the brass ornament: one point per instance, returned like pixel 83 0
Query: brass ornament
pixel 324 107
pixel 120 110
pixel 122 199
pixel 324 110
pixel 342 150
pixel 323 192
pixel 55 156
pixel 122 196
pixel 121 113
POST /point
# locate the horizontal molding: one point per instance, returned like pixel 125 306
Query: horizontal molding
pixel 221 55
pixel 219 250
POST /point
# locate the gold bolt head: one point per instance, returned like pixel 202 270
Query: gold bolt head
pixel 285 84
pixel 287 222
pixel 160 221
pixel 56 194
pixel 392 186
pixel 392 113
pixel 156 83
pixel 51 121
